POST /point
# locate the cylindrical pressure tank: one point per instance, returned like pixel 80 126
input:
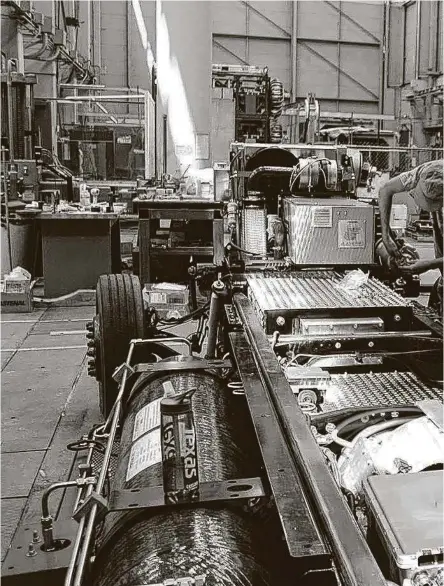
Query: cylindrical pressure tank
pixel 217 540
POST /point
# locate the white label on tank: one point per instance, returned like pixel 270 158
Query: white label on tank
pixel 145 452
pixel 321 217
pixel 147 419
pixel 168 388
pixel 351 234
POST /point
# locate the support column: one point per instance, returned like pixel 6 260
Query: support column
pixel 294 133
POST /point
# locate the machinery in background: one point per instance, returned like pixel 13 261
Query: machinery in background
pixel 29 173
pixel 258 101
pixel 421 229
pixel 19 168
pixel 296 206
pixel 312 119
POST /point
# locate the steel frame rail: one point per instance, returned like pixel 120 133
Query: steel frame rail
pixel 351 552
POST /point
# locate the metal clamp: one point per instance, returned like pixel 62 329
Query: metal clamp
pixel 86 469
pixel 168 340
pixel 432 409
pixel 154 496
pixel 86 481
pixel 186 581
pixel 85 507
pixel 195 364
pixel 120 370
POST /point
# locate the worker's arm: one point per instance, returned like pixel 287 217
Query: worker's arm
pixel 422 266
pixel 386 194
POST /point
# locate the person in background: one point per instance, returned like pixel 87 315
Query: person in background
pixel 425 185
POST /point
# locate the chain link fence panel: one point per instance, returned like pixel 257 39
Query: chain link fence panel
pixel 395 160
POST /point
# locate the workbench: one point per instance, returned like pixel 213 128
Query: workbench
pixel 177 209
pixel 77 248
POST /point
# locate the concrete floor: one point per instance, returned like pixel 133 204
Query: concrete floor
pixel 47 401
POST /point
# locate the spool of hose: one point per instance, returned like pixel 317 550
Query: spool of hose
pixel 277 97
pixel 217 540
pixel 276 133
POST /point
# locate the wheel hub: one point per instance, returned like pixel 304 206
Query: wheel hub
pixel 93 352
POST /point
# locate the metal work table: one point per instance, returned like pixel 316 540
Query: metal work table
pixel 77 248
pixel 177 209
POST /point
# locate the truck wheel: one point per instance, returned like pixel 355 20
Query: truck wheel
pixel 119 319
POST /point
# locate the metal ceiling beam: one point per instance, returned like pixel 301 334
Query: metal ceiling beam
pixel 337 68
pixel 250 36
pixel 229 52
pixel 288 40
pixel 352 20
pixel 266 18
pixel 340 42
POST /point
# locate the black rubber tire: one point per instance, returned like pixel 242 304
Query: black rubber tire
pixel 120 311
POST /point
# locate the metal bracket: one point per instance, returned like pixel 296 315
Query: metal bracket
pixel 432 409
pixel 154 496
pixel 86 481
pixel 45 567
pixel 85 468
pixel 232 317
pixel 187 581
pixel 85 507
pixel 118 373
pixel 194 364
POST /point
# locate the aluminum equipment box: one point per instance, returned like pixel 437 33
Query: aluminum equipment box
pixel 287 301
pixel 406 513
pixel 329 232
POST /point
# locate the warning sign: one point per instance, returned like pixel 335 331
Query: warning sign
pixel 322 217
pixel 351 234
pixel 184 150
pixel 145 452
pixel 147 419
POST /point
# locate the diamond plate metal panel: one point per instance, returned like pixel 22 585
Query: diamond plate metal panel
pixel 318 293
pixel 329 232
pixel 375 390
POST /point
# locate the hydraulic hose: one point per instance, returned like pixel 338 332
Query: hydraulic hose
pixel 269 170
pixel 344 423
pixel 368 430
pixel 378 427
pixel 45 45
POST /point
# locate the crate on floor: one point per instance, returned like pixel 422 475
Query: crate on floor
pixel 16 297
pixel 170 300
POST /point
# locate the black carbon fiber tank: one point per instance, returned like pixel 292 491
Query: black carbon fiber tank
pixel 218 541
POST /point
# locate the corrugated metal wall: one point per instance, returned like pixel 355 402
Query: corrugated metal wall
pixel 404 57
pixel 415 68
pixel 338 52
pixel 121 52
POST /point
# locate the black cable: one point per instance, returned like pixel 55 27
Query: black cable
pixel 243 249
pixel 354 418
pixel 187 317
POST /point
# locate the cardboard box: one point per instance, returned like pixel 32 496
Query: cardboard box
pixel 168 295
pixel 18 300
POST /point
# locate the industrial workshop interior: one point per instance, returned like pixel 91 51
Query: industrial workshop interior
pixel 221 293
